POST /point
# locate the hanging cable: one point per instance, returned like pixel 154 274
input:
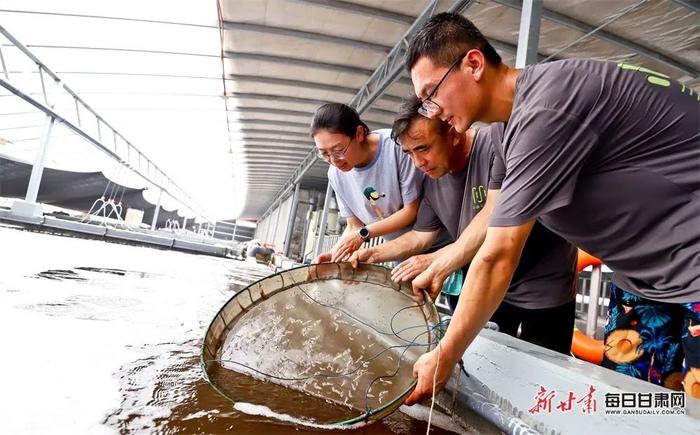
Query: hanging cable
pixel 612 19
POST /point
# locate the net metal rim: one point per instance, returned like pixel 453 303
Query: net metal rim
pixel 345 271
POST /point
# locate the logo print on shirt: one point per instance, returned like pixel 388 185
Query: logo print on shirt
pixel 657 78
pixel 373 196
pixel 478 197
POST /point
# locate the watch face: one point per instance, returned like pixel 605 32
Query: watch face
pixel 364 233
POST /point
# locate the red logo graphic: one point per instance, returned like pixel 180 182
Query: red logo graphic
pixel 543 401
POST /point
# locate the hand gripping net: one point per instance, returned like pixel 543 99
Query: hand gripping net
pixel 327 344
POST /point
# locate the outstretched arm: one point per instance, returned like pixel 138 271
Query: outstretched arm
pixel 459 253
pixel 347 244
pixel 351 241
pixel 410 243
pixel 485 287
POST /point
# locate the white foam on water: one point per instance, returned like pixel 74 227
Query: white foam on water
pixel 264 411
pixel 439 419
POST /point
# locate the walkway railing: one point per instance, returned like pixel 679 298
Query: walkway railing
pixel 79 120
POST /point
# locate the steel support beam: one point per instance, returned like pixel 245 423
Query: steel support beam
pixel 297 100
pixel 304 135
pixel 287 145
pixel 287 61
pixel 301 34
pixel 265 181
pixel 304 143
pixel 302 84
pixel 286 163
pixel 275 98
pixel 260 174
pixel 271 122
pixel 262 138
pixel 271 111
pixel 693 5
pixel 359 9
pixel 572 23
pixel 269 157
pixel 272 154
pixel 269 164
pixel 529 34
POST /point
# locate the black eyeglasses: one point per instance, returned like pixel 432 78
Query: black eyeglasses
pixel 337 155
pixel 430 108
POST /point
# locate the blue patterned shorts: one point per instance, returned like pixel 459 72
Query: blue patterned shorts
pixel 654 341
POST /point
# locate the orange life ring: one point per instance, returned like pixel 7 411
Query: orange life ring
pixel 583 346
pixel 587 348
pixel 585 259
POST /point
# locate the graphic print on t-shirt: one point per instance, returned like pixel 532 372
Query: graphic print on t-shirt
pixel 373 196
pixel 478 197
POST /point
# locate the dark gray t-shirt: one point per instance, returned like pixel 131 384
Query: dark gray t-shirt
pixel 608 156
pixel 546 276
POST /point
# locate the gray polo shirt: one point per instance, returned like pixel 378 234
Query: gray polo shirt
pixel 546 275
pixel 608 156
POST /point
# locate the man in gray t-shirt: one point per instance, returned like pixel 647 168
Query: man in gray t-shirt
pixel 606 155
pixel 461 169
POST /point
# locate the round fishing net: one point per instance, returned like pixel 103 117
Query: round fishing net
pixel 326 344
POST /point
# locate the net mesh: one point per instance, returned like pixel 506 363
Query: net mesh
pixel 325 343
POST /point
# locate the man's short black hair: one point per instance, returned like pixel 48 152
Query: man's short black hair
pixel 407 115
pixel 444 38
pixel 408 112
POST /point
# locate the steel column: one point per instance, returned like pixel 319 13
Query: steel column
pixel 324 221
pixel 277 223
pixel 38 166
pixel 4 66
pixel 291 220
pixel 594 301
pixel 529 35
pixel 157 211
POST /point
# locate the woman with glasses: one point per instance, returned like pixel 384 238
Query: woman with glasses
pixel 377 187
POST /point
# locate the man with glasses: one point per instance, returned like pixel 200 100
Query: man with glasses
pixel 606 155
pixel 460 169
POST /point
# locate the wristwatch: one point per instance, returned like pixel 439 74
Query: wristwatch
pixel 364 234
